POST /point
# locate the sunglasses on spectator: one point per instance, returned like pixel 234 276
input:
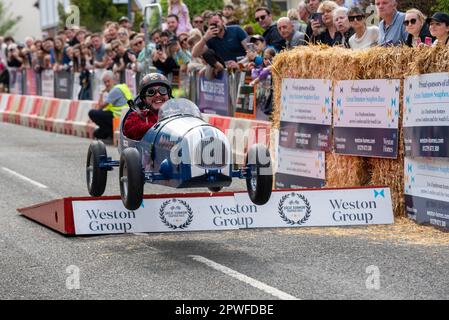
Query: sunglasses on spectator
pixel 261 18
pixel 358 18
pixel 122 34
pixel 138 43
pixel 183 40
pixel 198 21
pixel 411 21
pixel 151 92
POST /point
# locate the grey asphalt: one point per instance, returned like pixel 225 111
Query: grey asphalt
pixel 299 262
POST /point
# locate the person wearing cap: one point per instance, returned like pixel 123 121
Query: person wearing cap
pixel 110 107
pixel 154 91
pixel 124 23
pixel 259 43
pixel 439 28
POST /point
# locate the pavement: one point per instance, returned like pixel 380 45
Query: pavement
pixel 402 261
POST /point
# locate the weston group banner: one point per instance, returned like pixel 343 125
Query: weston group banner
pixel 308 208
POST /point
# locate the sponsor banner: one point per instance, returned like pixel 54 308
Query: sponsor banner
pixel 130 80
pixel 63 84
pixel 306 113
pixel 263 102
pixel 304 136
pixel 76 86
pixel 300 168
pixel 322 208
pixel 31 82
pixel 213 95
pixel 47 83
pixel 15 81
pixel 245 102
pixel 98 84
pixel 204 213
pixel 157 215
pixel 426 182
pixel 366 142
pixel 426 115
pixel 366 116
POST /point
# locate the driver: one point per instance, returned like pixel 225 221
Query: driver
pixel 154 91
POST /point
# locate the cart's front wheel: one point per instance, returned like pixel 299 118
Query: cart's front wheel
pixel 259 179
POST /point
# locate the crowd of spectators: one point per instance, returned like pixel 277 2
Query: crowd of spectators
pixel 215 41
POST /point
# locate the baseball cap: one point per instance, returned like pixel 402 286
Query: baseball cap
pixel 124 18
pixel 439 17
pixel 256 37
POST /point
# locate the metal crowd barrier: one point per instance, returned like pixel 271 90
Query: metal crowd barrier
pixel 221 94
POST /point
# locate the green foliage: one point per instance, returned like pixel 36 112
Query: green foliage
pixel 442 5
pixel 196 7
pixel 94 13
pixel 7 21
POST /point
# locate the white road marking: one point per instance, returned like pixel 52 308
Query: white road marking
pixel 37 184
pixel 237 275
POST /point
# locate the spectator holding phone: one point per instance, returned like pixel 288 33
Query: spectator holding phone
pixel 221 44
pixel 365 36
pixel 439 28
pixel 417 28
pixel 323 27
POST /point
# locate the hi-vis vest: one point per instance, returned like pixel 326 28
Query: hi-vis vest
pixel 117 110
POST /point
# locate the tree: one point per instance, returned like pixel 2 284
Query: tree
pixel 442 5
pixel 197 7
pixel 94 13
pixel 7 21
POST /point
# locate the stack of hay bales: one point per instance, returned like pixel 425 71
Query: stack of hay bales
pixel 319 62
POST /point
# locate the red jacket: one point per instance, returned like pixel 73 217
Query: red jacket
pixel 137 125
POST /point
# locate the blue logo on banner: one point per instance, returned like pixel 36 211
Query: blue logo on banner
pixel 339 102
pixel 407 99
pixel 327 101
pixel 393 102
pixel 379 193
pixel 410 168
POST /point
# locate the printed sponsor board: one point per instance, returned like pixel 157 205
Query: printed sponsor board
pixel 426 182
pixel 63 81
pixel 130 80
pixel 15 81
pixel 47 83
pixel 305 208
pixel 213 95
pixel 31 82
pixel 298 168
pixel 306 114
pixel 426 115
pixel 366 116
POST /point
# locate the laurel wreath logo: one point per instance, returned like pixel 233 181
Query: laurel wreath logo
pixel 172 226
pixel 289 221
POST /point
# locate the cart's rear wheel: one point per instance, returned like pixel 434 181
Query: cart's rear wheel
pixel 96 177
pixel 131 179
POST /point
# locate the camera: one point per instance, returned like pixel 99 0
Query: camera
pixel 159 47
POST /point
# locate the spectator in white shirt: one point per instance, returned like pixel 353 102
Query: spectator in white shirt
pixel 365 36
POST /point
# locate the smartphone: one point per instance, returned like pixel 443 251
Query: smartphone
pixel 318 17
pixel 251 47
pixel 428 41
pixel 214 25
pixel 159 47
